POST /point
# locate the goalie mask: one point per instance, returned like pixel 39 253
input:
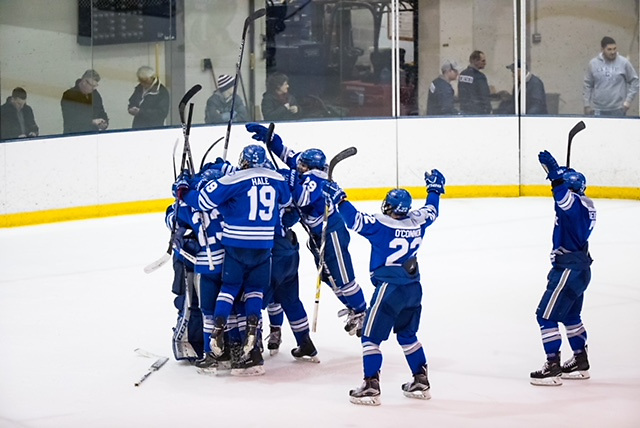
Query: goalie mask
pixel 575 181
pixel 252 156
pixel 398 202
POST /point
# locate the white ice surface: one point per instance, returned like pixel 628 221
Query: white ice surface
pixel 75 303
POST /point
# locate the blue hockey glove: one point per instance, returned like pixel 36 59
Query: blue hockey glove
pixel 435 181
pixel 260 134
pixel 290 175
pixel 550 165
pixel 332 191
pixel 181 186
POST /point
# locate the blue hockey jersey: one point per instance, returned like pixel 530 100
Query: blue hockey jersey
pixel 575 219
pixel 393 241
pixel 249 201
pixel 190 218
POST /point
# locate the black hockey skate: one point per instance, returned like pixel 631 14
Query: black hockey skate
pixel 274 340
pixel 354 323
pixel 419 388
pixel 249 365
pixel 577 367
pixel 549 375
pixel 306 351
pixel 368 393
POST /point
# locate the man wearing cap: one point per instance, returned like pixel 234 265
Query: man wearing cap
pixel 536 96
pixel 440 98
pixel 610 83
pixel 16 117
pixel 218 109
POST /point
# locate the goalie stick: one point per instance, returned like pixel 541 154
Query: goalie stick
pixel 346 153
pixel 576 128
pixel 255 15
pixel 154 368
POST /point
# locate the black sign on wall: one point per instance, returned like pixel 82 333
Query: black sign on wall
pixel 111 22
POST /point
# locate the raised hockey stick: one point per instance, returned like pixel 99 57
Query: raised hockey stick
pixel 151 267
pixel 255 15
pixel 577 128
pixel 346 153
pixel 208 150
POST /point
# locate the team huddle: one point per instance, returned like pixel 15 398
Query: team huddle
pixel 236 255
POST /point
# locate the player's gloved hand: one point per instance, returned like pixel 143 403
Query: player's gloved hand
pixel 178 238
pixel 220 165
pixel 550 165
pixel 332 191
pixel 435 181
pixel 181 186
pixel 290 175
pixel 260 134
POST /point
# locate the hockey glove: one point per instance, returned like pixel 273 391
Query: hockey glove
pixel 290 175
pixel 435 181
pixel 332 191
pixel 550 165
pixel 181 186
pixel 260 134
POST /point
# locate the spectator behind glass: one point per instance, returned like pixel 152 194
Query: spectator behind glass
pixel 82 108
pixel 610 83
pixel 441 95
pixel 149 103
pixel 473 87
pixel 536 95
pixel 277 103
pixel 218 109
pixel 16 117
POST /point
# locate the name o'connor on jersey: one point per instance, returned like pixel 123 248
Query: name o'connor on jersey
pixel 249 220
pixel 402 233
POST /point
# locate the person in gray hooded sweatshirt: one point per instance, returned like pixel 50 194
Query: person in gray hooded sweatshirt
pixel 610 83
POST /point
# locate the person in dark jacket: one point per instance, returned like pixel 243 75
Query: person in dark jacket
pixel 218 109
pixel 473 87
pixel 82 108
pixel 149 103
pixel 536 96
pixel 441 96
pixel 277 102
pixel 16 117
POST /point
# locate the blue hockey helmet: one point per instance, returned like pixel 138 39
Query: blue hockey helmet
pixel 397 201
pixel 252 156
pixel 313 159
pixel 575 180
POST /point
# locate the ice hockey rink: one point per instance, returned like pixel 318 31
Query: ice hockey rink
pixel 75 303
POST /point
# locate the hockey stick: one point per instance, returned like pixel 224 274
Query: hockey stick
pixel 346 153
pixel 208 150
pixel 147 354
pixel 255 15
pixel 185 131
pixel 577 128
pixel 154 368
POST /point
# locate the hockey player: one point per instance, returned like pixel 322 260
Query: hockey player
pixel 284 288
pixel 250 201
pixel 308 173
pixel 395 237
pixel 569 276
pixel 207 281
pixel 187 341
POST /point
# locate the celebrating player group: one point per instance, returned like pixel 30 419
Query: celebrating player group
pixel 236 256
